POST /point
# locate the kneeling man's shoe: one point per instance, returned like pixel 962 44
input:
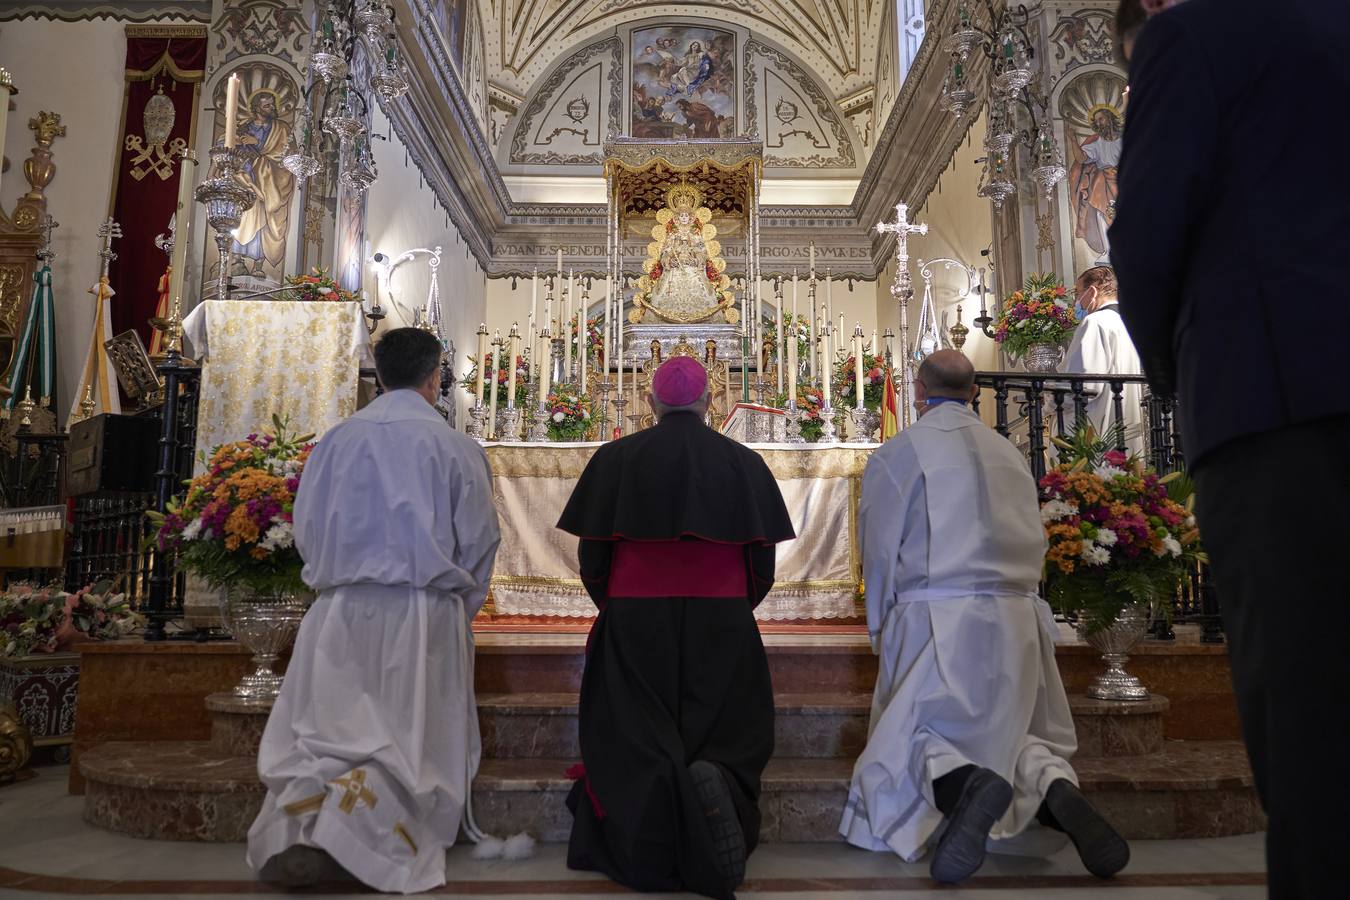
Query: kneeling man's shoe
pixel 728 838
pixel 298 866
pixel 984 799
pixel 1100 847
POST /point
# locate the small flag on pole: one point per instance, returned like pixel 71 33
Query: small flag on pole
pixel 890 409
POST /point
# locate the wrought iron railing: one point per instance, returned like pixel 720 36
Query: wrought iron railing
pixel 1031 410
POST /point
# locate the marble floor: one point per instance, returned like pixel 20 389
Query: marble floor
pixel 46 850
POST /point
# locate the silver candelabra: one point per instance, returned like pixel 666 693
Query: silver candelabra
pixel 226 198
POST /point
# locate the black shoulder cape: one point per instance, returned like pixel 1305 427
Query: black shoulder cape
pixel 679 479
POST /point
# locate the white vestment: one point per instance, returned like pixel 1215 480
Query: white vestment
pixel 952 549
pixel 370 750
pixel 1102 346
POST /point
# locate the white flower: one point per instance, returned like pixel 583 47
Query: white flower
pixel 278 537
pixel 1062 304
pixel 324 289
pixel 1054 510
pixel 1106 473
pixel 1106 537
pixel 1171 545
pixel 586 414
pixel 1095 556
pixel 558 417
pixel 193 530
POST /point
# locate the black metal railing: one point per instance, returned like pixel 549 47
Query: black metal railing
pixel 1031 410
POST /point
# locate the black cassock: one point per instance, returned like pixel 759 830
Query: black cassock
pixel 681 522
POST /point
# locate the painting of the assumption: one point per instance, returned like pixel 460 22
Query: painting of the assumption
pixel 684 83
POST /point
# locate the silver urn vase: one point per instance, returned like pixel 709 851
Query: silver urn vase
pixel 1043 359
pixel 266 624
pixel 1114 643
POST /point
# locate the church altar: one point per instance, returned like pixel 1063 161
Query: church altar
pixel 263 358
pixel 819 573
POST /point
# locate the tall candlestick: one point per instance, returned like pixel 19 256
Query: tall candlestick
pixel 791 389
pixel 559 268
pixel 6 88
pixel 813 261
pixel 496 366
pixel 546 367
pixel 481 362
pixel 826 370
pixel 813 332
pixel 187 178
pixel 231 110
pixel 635 387
pixel 794 300
pixel 782 348
pixel 875 350
pixel 858 365
pixel 513 349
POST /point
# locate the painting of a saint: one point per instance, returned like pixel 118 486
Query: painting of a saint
pixel 683 83
pixel 263 132
pixel 1094 124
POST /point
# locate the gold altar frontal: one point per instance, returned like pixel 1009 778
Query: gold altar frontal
pixel 819 574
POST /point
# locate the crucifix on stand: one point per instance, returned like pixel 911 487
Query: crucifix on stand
pixel 902 291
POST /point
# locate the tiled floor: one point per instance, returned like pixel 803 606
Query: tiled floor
pixel 46 850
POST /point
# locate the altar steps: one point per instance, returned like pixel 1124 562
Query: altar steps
pixel 1149 785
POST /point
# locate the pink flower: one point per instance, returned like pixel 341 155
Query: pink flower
pixel 1116 458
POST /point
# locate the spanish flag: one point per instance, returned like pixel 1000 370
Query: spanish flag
pixel 890 409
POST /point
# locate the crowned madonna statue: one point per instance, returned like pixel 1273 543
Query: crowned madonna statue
pixel 684 277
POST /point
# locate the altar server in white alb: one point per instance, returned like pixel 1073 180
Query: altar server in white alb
pixel 1102 346
pixel 970 732
pixel 370 749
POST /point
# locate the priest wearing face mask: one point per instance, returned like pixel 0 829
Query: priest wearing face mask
pixel 677 527
pixel 970 733
pixel 1101 345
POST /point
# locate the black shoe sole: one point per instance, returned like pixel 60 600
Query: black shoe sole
pixel 961 850
pixel 300 867
pixel 1101 848
pixel 728 838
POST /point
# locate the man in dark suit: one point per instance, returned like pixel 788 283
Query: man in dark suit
pixel 1229 244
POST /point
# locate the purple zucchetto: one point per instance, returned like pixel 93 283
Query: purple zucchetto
pixel 679 381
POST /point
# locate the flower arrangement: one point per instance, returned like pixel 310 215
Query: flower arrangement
pixel 1119 534
pixel 874 380
pixel 595 339
pixel 234 524
pixel 569 414
pixel 318 285
pixel 809 401
pixel 1039 313
pixel 801 326
pixel 46 619
pixel 470 381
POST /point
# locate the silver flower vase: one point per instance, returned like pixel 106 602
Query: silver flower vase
pixel 1043 359
pixel 266 624
pixel 1114 643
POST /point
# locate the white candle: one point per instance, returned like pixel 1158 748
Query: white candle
pixel 534 299
pixel 829 301
pixel 496 365
pixel 481 363
pixel 874 350
pixel 513 350
pixel 559 270
pixel 187 177
pixel 782 348
pixel 231 109
pixel 609 320
pixel 813 261
pixel 583 333
pixel 5 90
pixel 792 366
pixel 569 307
pixel 858 365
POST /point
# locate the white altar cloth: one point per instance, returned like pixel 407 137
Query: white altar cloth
pixel 818 574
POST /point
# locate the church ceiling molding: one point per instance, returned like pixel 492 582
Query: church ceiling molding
pixel 576 107
pixel 125 11
pixel 836 39
pixel 800 125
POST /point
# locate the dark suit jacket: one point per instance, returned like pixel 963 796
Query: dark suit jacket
pixel 1232 232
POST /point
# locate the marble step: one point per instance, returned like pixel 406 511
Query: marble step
pixel 189 791
pixel 807 726
pixel 1108 728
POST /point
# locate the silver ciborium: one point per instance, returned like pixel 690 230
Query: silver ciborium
pixel 266 624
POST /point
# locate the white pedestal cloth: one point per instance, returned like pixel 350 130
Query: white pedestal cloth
pixel 371 748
